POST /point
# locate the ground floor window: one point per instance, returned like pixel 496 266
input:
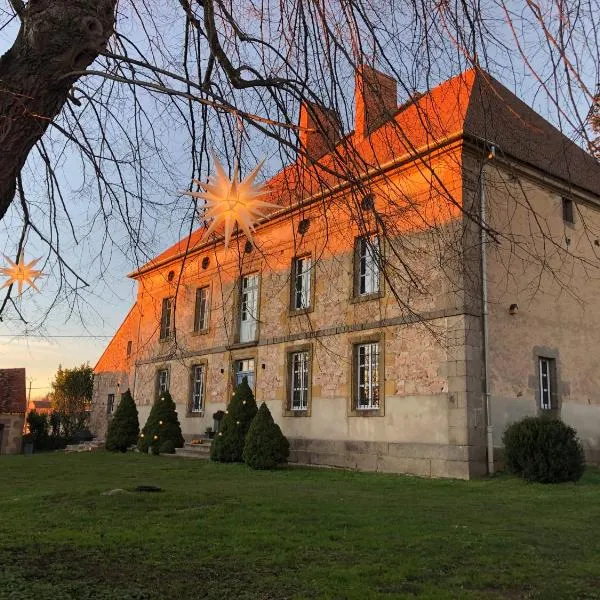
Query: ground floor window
pixel 366 372
pixel 299 380
pixel 198 387
pixel 547 374
pixel 110 404
pixel 244 368
pixel 162 381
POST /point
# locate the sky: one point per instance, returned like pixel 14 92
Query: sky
pixel 79 326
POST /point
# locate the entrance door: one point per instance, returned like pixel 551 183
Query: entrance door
pixel 244 368
pixel 1 436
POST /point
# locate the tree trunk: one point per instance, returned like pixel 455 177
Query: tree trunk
pixel 56 37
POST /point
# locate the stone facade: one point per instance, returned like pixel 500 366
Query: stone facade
pixel 426 315
pixel 546 269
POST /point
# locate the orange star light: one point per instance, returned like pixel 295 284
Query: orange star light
pixel 21 273
pixel 232 200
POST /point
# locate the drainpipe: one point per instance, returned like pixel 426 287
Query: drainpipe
pixel 484 302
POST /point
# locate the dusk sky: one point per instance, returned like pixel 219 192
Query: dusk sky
pixel 100 251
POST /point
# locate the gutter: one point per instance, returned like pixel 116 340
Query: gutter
pixel 484 319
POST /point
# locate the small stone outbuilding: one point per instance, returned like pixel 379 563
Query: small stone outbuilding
pixel 13 403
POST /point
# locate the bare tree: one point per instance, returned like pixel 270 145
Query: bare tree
pixel 106 83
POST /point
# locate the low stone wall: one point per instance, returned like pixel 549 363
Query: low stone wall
pixel 426 460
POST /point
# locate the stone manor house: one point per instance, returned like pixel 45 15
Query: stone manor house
pixel 429 278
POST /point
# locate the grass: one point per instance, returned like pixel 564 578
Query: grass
pixel 225 532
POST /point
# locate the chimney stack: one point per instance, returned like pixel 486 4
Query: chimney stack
pixel 375 100
pixel 319 130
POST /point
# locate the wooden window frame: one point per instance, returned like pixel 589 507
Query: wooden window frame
pixel 110 408
pixel 293 310
pixel 167 330
pixel 159 370
pixel 190 412
pixel 202 330
pixel 568 210
pixel 238 309
pixel 288 411
pixel 356 296
pixel 353 409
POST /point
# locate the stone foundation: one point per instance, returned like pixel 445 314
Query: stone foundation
pixel 426 460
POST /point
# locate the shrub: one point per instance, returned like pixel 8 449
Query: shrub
pixel 124 427
pixel 162 425
pixel 167 447
pixel 228 444
pixel 38 426
pixel 266 446
pixel 82 435
pixel 544 450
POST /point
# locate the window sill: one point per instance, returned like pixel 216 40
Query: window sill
pixel 241 345
pixel 200 331
pixel 296 413
pixel 296 312
pixel 194 414
pixel 366 412
pixel 366 297
pixel 166 340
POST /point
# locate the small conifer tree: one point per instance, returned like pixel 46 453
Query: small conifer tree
pixel 266 446
pixel 162 425
pixel 124 427
pixel 228 444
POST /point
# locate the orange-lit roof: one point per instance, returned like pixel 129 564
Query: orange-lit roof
pixel 471 105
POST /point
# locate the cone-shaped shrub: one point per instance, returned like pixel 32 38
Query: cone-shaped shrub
pixel 544 450
pixel 162 425
pixel 124 427
pixel 266 446
pixel 228 444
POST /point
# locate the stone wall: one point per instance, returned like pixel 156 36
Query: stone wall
pixel 549 269
pixel 12 433
pixel 430 420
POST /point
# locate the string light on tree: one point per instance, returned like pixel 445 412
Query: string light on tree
pixel 231 201
pixel 21 273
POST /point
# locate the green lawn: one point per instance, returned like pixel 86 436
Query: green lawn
pixel 225 532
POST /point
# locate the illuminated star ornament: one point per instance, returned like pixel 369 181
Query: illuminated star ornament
pixel 231 200
pixel 20 273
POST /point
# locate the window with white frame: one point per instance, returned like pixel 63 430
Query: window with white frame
pixel 366 371
pixel 248 317
pixel 202 309
pixel 546 368
pixel 299 380
pixel 301 293
pixel 244 368
pixel 367 269
pixel 166 319
pixel 162 381
pixel 110 404
pixel 198 388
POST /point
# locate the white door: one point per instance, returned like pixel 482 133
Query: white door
pixel 249 308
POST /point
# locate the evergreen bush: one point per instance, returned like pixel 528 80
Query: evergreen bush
pixel 124 427
pixel 167 447
pixel 544 450
pixel 162 425
pixel 266 446
pixel 228 444
pixel 38 427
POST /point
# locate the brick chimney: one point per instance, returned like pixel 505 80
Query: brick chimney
pixel 319 130
pixel 375 100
